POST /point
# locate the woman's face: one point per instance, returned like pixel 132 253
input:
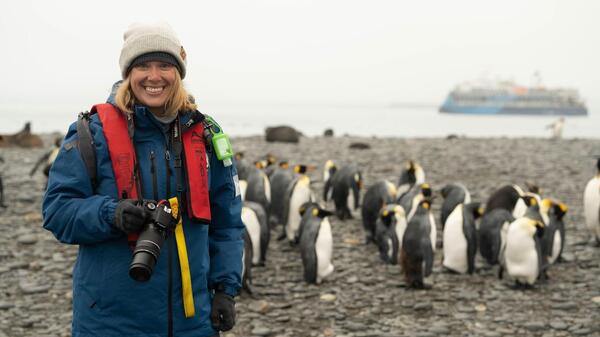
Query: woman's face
pixel 152 83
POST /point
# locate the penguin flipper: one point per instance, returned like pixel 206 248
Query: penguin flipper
pixel 326 189
pixel 428 259
pixel 471 236
pixel 308 250
pixel 356 192
pixel 2 193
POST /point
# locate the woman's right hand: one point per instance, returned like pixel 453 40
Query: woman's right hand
pixel 131 216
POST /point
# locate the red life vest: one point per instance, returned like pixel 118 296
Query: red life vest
pixel 122 155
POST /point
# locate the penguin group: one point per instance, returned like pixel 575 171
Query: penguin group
pixel 516 230
pixel 278 197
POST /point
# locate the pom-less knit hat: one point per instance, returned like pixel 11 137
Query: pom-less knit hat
pixel 151 42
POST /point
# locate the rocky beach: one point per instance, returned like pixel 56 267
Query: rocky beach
pixel 363 297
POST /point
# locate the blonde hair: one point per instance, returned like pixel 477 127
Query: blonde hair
pixel 178 100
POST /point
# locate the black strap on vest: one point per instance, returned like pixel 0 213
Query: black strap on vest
pixel 86 145
pixel 137 178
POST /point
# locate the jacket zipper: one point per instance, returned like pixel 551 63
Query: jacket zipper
pixel 153 172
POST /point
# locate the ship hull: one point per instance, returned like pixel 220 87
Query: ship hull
pixel 492 110
pixel 506 105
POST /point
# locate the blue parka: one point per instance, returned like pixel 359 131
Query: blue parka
pixel 106 301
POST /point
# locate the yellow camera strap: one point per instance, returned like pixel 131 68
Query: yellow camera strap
pixel 186 278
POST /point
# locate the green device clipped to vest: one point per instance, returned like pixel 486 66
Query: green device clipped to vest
pixel 220 142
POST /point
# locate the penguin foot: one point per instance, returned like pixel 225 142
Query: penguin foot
pixel 516 286
pixel 420 285
pixel 521 286
pixel 447 270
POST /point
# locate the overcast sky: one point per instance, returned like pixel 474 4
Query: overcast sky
pixel 313 52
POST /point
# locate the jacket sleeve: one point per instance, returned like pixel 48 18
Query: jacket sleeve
pixel 71 210
pixel 226 230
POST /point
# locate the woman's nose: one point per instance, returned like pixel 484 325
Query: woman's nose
pixel 153 73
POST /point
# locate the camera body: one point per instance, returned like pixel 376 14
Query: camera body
pixel 147 248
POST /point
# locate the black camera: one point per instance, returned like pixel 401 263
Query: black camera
pixel 147 247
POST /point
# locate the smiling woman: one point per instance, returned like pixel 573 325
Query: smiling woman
pixel 157 181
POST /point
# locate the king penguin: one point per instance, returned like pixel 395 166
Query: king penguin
pixel 328 172
pixel 299 193
pixel 389 232
pixel 316 243
pixel 493 229
pixel 377 196
pixel 255 220
pixel 508 197
pixel 346 185
pixel 259 188
pixel 280 179
pixel 418 246
pixel 412 174
pixel 453 195
pixel 553 241
pixel 268 163
pixel 591 205
pixel 513 199
pixel 247 264
pixel 523 254
pixel 460 238
pixel 242 166
pixel 410 200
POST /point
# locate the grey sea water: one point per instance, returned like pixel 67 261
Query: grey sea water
pixel 313 119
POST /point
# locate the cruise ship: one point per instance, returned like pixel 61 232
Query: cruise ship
pixel 505 97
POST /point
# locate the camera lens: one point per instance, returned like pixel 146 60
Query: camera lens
pixel 145 254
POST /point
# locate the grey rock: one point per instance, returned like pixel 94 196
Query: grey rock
pixel 6 305
pixel 368 334
pixel 28 288
pixel 355 326
pixel 261 331
pixel 558 325
pixel 582 332
pixel 439 330
pixel 564 306
pixel 27 239
pixel 534 326
pixel 423 306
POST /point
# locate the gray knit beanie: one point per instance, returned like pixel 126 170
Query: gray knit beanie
pixel 151 40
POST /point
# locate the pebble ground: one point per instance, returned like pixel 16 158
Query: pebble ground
pixel 363 297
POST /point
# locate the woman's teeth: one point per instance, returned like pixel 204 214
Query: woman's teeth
pixel 154 90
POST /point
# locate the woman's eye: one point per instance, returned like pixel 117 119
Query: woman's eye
pixel 142 65
pixel 166 66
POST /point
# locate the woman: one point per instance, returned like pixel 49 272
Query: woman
pixel 151 154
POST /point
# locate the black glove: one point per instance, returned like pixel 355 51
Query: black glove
pixel 131 216
pixel 222 314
